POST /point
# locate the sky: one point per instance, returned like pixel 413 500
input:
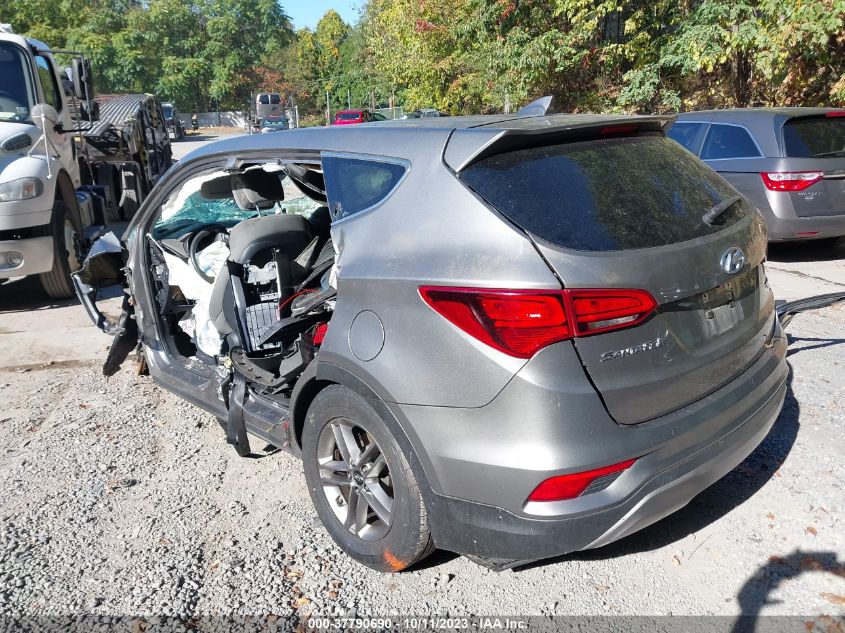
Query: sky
pixel 308 12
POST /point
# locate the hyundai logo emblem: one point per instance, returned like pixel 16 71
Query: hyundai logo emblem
pixel 732 260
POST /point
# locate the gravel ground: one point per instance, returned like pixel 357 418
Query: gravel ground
pixel 120 499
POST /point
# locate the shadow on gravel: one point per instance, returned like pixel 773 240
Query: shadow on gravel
pixel 438 557
pixel 754 594
pixel 818 343
pixel 810 251
pixel 23 295
pixel 731 491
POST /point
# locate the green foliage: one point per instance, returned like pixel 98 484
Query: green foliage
pixel 462 56
pixel 188 51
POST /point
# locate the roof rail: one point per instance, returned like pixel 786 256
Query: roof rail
pixel 540 107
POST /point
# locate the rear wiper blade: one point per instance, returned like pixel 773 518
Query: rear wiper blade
pixel 839 152
pixel 717 210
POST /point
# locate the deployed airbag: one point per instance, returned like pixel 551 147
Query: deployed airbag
pixel 197 323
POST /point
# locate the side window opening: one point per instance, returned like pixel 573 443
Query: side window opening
pixel 355 184
pixel 216 225
pixel 729 141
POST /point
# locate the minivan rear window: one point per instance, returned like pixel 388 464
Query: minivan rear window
pixel 814 137
pixel 606 195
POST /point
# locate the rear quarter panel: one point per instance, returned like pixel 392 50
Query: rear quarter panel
pixel 430 231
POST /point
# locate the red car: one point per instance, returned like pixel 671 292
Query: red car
pixel 352 117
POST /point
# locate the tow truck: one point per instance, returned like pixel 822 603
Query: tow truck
pixel 70 162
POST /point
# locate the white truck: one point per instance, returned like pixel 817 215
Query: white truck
pixel 69 162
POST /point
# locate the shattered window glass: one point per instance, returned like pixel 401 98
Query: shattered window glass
pixel 187 209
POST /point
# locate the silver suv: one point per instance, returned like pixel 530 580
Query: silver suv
pixel 509 337
pixel 789 162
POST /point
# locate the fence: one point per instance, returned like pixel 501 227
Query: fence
pixel 215 119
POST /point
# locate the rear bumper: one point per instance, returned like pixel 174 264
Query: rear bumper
pixel 678 456
pixel 795 228
pixel 37 254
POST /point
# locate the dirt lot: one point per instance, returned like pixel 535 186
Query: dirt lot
pixel 120 499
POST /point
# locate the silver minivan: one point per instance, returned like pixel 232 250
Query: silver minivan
pixel 789 162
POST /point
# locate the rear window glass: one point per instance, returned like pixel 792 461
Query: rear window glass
pixel 353 185
pixel 812 137
pixel 728 141
pixel 605 195
pixel 349 116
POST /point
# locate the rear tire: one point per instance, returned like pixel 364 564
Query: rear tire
pixel 369 478
pixel 57 283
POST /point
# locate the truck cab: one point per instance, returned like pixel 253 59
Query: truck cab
pixel 65 169
pixel 40 222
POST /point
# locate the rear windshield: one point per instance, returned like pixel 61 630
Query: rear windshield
pixel 813 137
pixel 606 195
pixel 349 116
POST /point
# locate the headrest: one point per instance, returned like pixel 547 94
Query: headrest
pixel 309 180
pixel 218 188
pixel 257 188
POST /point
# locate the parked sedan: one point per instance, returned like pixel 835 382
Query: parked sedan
pixel 352 117
pixel 789 162
pixel 506 336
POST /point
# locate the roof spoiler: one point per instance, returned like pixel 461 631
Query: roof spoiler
pixel 540 107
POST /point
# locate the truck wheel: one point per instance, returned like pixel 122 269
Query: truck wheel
pixel 361 484
pixel 66 258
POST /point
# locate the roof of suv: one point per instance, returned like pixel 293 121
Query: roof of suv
pixel 745 115
pixel 467 136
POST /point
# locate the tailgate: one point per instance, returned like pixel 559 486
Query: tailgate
pixel 814 147
pixel 632 213
pixel 709 327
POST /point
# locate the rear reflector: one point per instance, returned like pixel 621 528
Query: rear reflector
pixel 790 180
pixel 320 333
pixel 570 486
pixel 521 322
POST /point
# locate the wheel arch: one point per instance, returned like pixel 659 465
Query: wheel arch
pixel 319 375
pixel 66 193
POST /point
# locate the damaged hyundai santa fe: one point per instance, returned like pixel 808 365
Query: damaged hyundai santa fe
pixel 510 337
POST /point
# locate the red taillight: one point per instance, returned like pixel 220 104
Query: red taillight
pixel 521 322
pixel 514 322
pixel 603 310
pixel 835 113
pixel 570 486
pixel 790 180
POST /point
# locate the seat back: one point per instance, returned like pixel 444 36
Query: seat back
pixel 288 234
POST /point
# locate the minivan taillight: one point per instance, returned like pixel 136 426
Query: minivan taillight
pixel 521 322
pixel 790 180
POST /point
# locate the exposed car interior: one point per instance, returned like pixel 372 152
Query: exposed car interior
pixel 241 262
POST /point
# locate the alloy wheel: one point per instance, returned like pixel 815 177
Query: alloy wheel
pixel 356 479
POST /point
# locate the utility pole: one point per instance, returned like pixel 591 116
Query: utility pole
pixel 328 110
pixel 348 98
